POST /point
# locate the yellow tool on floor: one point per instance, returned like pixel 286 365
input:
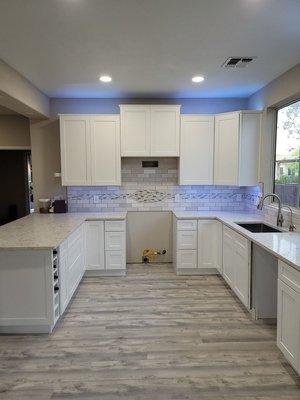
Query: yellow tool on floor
pixel 149 255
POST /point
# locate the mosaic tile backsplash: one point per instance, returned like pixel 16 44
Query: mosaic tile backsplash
pixel 150 189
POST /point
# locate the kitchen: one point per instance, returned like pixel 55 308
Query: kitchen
pixel 163 254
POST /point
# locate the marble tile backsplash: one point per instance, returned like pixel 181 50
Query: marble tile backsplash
pixel 148 189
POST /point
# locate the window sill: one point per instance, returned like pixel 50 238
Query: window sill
pixel 274 206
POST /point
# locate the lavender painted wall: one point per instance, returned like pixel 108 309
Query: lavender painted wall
pixel 111 106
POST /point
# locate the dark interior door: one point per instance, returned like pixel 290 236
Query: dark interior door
pixel 14 193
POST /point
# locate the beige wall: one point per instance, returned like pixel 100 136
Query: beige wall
pixel 14 132
pixel 21 95
pixel 45 150
pixel 148 229
pixel 280 91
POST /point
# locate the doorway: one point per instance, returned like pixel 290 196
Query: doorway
pixel 16 199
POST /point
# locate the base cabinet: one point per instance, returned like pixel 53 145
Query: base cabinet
pixel 105 247
pixel 288 314
pixel 208 244
pixel 197 246
pixel 236 264
pixel 94 245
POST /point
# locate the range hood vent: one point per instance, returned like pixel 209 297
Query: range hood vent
pixel 237 62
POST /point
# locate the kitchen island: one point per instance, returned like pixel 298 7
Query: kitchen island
pixel 43 259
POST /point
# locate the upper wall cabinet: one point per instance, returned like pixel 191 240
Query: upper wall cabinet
pixel 237 140
pixel 90 150
pixel 135 130
pixel 150 130
pixel 196 150
pixel 165 127
pixel 105 150
pixel 75 149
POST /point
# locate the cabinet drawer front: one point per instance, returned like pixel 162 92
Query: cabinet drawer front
pixel 187 259
pixel 115 260
pixel 114 240
pixel 115 226
pixel 289 275
pixel 187 240
pixel 187 225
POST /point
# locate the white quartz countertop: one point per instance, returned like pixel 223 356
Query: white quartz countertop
pixel 47 231
pixel 284 245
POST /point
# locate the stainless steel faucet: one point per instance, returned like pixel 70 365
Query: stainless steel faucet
pixel 292 226
pixel 279 214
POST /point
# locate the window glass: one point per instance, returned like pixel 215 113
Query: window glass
pixel 287 157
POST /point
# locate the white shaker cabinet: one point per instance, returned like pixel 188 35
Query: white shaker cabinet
pixel 75 149
pixel 105 150
pixel 165 130
pixel 150 130
pixel 237 145
pixel 105 247
pixel 94 245
pixel 196 150
pixel 288 314
pixel 197 246
pixel 208 244
pixel 90 150
pixel 236 264
pixel 135 130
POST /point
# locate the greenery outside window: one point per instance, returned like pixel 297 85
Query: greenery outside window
pixel 287 154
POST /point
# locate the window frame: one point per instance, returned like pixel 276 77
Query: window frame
pixel 276 110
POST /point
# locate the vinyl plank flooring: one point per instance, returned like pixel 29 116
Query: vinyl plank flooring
pixel 149 335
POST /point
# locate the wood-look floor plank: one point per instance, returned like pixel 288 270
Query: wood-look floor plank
pixel 149 335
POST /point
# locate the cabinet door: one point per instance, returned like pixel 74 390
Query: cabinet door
pixel 226 159
pixel 75 150
pixel 94 245
pixel 228 256
pixel 135 130
pixel 207 244
pixel 242 269
pixel 196 150
pixel 105 150
pixel 165 131
pixel 288 323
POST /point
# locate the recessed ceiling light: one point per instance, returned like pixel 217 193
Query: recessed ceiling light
pixel 105 78
pixel 197 79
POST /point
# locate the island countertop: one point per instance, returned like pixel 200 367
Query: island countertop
pixel 46 231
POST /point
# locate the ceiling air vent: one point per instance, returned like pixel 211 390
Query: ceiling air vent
pixel 237 62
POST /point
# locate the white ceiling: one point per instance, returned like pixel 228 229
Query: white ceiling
pixel 151 48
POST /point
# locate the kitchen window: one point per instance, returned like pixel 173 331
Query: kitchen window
pixel 287 154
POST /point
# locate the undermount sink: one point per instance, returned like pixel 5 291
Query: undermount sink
pixel 258 227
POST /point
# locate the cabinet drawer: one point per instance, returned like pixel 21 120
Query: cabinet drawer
pixel 187 240
pixel 115 260
pixel 187 259
pixel 187 225
pixel 289 275
pixel 114 240
pixel 114 226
